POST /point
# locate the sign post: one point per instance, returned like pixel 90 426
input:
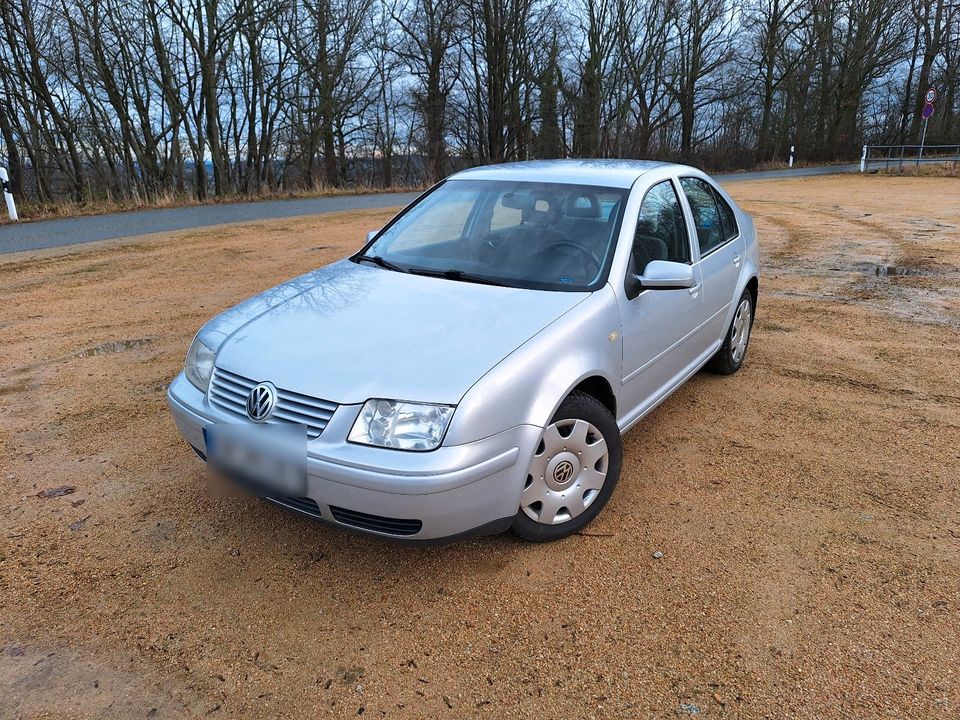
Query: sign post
pixel 926 114
pixel 7 195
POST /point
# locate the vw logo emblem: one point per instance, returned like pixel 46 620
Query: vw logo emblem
pixel 563 472
pixel 261 401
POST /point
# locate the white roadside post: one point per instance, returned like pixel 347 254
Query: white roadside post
pixel 7 195
pixel 790 164
pixel 863 160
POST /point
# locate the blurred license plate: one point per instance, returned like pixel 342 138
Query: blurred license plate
pixel 259 459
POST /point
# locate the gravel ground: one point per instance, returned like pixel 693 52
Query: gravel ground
pixel 783 543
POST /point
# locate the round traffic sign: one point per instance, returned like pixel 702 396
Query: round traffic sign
pixel 927 111
pixel 931 95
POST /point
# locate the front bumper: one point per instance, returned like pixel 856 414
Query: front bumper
pixel 452 491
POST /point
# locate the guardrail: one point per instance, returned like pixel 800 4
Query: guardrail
pixel 899 155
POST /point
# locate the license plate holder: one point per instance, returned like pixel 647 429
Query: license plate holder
pixel 262 460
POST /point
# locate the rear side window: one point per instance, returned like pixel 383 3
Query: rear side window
pixel 727 217
pixel 706 216
pixel 661 233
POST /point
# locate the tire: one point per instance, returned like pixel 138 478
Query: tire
pixel 733 352
pixel 562 493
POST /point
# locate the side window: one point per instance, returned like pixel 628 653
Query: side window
pixel 705 213
pixel 727 217
pixel 661 232
pixel 505 216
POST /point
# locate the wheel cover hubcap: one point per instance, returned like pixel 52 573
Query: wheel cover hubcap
pixel 567 472
pixel 740 332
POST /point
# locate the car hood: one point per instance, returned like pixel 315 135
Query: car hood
pixel 350 332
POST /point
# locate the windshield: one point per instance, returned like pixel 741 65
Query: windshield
pixel 546 236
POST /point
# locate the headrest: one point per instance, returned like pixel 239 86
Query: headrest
pixel 517 200
pixel 582 206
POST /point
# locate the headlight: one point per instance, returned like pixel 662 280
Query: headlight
pixel 199 365
pixel 401 425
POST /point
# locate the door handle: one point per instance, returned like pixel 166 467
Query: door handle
pixel 737 259
pixel 694 290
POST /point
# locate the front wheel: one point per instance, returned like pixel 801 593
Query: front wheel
pixel 573 471
pixel 734 349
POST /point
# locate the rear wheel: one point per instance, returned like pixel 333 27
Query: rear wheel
pixel 734 349
pixel 573 471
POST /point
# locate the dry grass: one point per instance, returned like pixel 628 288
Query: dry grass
pixel 806 508
pixel 947 168
pixel 784 165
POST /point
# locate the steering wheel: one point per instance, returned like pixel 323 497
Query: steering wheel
pixel 568 245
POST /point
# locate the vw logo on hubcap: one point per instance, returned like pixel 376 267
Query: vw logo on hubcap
pixel 563 472
pixel 261 401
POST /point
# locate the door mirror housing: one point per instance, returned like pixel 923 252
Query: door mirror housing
pixel 661 275
pixel 371 234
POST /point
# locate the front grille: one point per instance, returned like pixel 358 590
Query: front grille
pixel 390 526
pixel 229 391
pixel 302 504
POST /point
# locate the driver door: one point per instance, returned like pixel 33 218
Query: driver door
pixel 659 324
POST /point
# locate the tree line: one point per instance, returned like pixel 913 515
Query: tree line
pixel 211 98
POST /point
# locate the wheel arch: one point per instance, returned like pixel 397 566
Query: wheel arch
pixel 599 388
pixel 748 282
pixel 753 285
pixel 592 382
pixel 528 386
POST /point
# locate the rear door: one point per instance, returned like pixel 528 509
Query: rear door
pixel 657 324
pixel 721 249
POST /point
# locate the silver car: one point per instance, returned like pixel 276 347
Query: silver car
pixel 473 367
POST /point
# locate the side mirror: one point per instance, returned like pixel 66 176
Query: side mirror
pixel 371 235
pixel 661 275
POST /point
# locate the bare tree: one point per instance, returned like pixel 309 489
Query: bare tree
pixel 773 25
pixel 600 37
pixel 643 41
pixel 701 50
pixel 932 19
pixel 432 31
pixel 137 99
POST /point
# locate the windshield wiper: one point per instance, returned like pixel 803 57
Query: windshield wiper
pixel 458 275
pixel 380 262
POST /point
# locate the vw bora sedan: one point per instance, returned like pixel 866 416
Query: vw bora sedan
pixel 473 367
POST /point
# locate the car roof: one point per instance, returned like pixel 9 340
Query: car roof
pixel 602 172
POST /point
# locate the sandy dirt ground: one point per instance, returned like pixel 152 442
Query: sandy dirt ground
pixel 806 509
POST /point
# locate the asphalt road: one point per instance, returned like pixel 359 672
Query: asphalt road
pixel 70 231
